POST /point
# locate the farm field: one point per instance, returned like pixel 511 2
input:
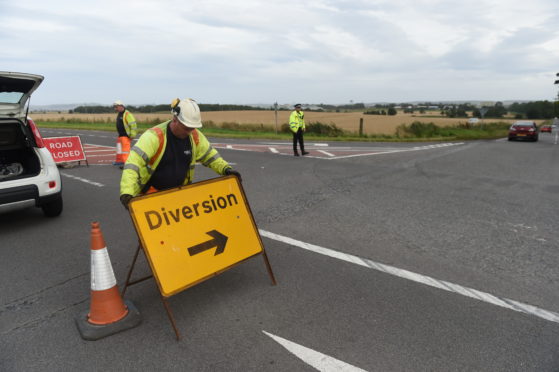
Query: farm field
pixel 372 124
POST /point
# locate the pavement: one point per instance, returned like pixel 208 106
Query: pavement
pixel 388 257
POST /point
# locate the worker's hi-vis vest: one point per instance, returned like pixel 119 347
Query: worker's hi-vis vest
pixel 129 124
pixel 148 152
pixel 296 121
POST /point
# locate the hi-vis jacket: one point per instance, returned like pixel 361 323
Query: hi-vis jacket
pixel 148 151
pixel 296 121
pixel 129 123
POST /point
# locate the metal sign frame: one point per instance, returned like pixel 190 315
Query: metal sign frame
pixel 204 246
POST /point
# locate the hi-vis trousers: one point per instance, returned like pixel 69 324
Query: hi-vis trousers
pixel 122 149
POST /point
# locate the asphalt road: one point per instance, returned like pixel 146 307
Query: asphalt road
pixel 404 258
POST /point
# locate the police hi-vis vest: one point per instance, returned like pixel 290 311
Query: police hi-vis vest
pixel 129 124
pixel 296 121
pixel 148 151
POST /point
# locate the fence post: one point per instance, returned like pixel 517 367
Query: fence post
pixel 360 127
pixel 276 114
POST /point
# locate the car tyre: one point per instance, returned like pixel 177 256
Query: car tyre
pixel 510 139
pixel 53 208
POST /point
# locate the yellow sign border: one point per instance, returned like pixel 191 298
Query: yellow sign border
pixel 181 188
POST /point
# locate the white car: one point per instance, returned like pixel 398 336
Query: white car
pixel 28 174
pixel 473 120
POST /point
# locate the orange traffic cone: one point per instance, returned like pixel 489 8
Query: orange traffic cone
pixel 108 313
pixel 106 304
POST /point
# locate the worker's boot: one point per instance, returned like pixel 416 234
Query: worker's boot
pixel 295 153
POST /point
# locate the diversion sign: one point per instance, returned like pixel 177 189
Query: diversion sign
pixel 194 232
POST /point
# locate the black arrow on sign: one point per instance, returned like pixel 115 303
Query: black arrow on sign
pixel 219 240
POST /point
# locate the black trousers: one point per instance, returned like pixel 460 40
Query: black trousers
pixel 298 136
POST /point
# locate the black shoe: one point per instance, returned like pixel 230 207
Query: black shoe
pixel 305 153
pixel 296 154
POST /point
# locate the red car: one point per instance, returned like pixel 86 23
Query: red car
pixel 527 130
pixel 545 128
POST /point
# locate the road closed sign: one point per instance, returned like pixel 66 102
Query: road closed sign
pixel 65 149
pixel 194 232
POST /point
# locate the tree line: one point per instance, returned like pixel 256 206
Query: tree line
pixel 526 110
pixel 536 109
pixel 146 109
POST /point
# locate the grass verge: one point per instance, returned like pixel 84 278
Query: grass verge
pixel 316 131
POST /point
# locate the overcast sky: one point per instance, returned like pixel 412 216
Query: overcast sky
pixel 248 51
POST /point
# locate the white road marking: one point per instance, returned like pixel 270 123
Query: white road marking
pixel 419 278
pixel 82 180
pixel 273 150
pixel 399 150
pixel 287 144
pixel 229 146
pixel 367 154
pixel 326 153
pixel 320 361
pixel 94 145
pixel 89 149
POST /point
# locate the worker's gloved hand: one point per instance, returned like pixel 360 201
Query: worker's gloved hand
pixel 229 171
pixel 125 199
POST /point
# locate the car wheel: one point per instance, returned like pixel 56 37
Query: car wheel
pixel 510 139
pixel 53 208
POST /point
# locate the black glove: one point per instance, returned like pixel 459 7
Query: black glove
pixel 229 171
pixel 125 199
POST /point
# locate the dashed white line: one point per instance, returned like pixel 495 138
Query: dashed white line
pixel 82 179
pixel 419 278
pixel 272 149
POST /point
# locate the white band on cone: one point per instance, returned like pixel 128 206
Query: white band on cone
pixel 102 275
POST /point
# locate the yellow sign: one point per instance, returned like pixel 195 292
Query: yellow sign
pixel 194 232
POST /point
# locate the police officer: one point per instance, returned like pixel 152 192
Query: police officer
pixel 165 155
pixel 126 127
pixel 297 126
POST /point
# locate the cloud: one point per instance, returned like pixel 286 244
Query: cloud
pixel 251 51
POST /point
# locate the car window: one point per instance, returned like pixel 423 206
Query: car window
pixel 10 97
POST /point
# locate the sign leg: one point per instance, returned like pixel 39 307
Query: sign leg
pixel 127 282
pixel 171 318
pixel 269 267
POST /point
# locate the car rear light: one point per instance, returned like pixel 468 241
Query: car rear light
pixel 52 184
pixel 36 133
